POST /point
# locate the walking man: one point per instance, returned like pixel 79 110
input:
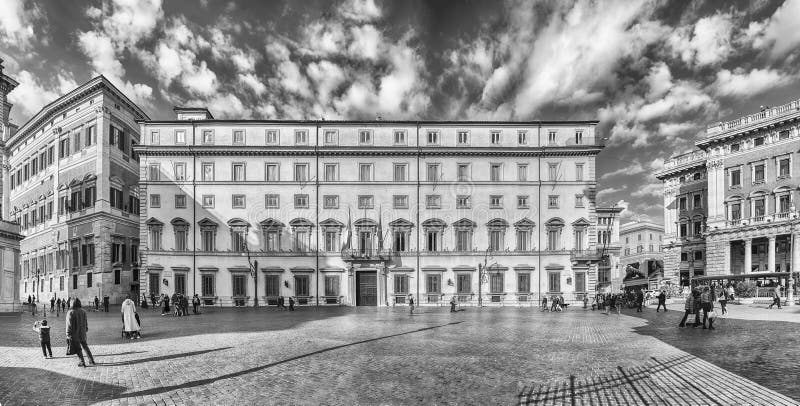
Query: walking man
pixel 52 304
pixel 410 304
pixel 662 301
pixel 776 297
pixel 639 300
pixel 291 303
pixel 195 302
pixel 77 327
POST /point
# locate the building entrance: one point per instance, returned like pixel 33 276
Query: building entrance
pixel 366 288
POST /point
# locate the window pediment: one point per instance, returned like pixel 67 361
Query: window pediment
pixel 207 223
pixel 434 223
pixel 237 222
pixel 581 223
pixel 525 224
pixel 301 223
pixel 331 224
pixel 178 222
pixel 555 222
pixel 153 222
pixel 465 224
pixel 271 223
pixel 401 223
pixel 497 223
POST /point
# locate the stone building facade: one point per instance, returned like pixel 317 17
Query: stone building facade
pixel 641 250
pixel 9 232
pixel 368 212
pixel 73 188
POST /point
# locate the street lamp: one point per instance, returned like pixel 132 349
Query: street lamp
pixel 253 272
pixel 482 277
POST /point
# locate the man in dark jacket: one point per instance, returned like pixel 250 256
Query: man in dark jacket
pixel 662 301
pixel 639 300
pixel 77 327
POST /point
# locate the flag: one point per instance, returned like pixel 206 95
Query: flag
pixel 347 242
pixel 380 229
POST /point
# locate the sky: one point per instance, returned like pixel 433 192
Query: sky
pixel 655 73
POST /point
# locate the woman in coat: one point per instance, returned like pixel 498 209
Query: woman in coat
pixel 77 327
pixel 130 326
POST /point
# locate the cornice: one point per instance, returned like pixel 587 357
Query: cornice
pixel 219 150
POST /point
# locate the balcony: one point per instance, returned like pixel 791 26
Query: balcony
pixel 366 255
pixel 586 255
pixel 765 115
pixel 767 218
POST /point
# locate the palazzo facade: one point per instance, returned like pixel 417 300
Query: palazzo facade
pixel 370 212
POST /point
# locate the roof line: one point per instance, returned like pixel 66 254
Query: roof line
pixel 371 122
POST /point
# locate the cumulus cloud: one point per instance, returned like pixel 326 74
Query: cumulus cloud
pixel 708 42
pixel 32 93
pixel 655 189
pixel 779 34
pixel 634 168
pixel 17 19
pixel 741 83
pixel 360 10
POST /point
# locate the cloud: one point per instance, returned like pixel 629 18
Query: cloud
pixel 200 80
pixel 634 168
pixel 100 50
pixel 708 42
pixel 743 83
pixel 360 10
pixel 609 191
pixel 224 106
pixel 17 19
pixel 779 33
pixel 31 94
pixel 254 83
pixel 129 21
pixel 655 189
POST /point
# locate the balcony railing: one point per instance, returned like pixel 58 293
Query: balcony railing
pixel 768 218
pixel 586 255
pixel 764 115
pixel 366 254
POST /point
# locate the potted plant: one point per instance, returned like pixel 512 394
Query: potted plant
pixel 745 292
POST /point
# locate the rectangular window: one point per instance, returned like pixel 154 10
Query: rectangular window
pixel 400 284
pixel 432 241
pixel 180 171
pixel 579 201
pixel 365 202
pixel 496 202
pixel 272 172
pixel 758 173
pixel 554 282
pixel 759 208
pixel 332 285
pixel 301 201
pixel 736 177
pixel 180 239
pixel 463 202
pixel 399 137
pixel 735 147
pixel 155 201
pixel 579 172
pixel 238 240
pixel 496 242
pixel 301 172
pixel 238 201
pixel 551 137
pixel 522 172
pixel 155 137
pixel 208 201
pixel 522 240
pixel 400 172
pixel 496 283
pixel 208 239
pixel 76 141
pixel 208 172
pixel 331 241
pixel 522 137
pixel 522 202
pixel 783 135
pixel 301 137
pixel 155 172
pixel 433 283
pixel 239 285
pixel 698 228
pixel 180 137
pixel 553 240
pixel 433 173
pixel 552 172
pixel 495 137
pixel 271 201
pixel 301 285
pixel 496 172
pixel 91 135
pixel 462 172
pixel 682 203
pixel 433 137
pixel 365 137
pixel 464 283
pixel 433 201
pixel 578 137
pixel 400 201
pixel 759 141
pixel 552 202
pixel 272 241
pixel 463 240
pixel 399 241
pixel 238 172
pixel 208 136
pixel 88 279
pixel 207 283
pixel 272 136
pixel 180 201
pixel 463 137
pixel 784 204
pixel 783 168
pixel 697 201
pixel 330 202
pixel 364 172
pixel 238 137
pixel 524 283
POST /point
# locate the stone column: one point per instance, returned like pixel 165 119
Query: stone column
pixel 771 254
pixel 748 255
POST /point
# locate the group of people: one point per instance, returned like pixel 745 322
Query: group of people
pixel 703 298
pixel 280 303
pixel 557 303
pixel 76 328
pixel 180 304
pixel 57 305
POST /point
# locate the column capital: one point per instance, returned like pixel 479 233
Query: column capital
pixel 772 238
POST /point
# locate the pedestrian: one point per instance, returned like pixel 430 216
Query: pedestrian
pixel 43 329
pixel 185 304
pixel 58 307
pixel 291 303
pixel 639 300
pixel 776 297
pixel 619 304
pixel 410 304
pixel 33 309
pixel 195 303
pixel 707 304
pixel 52 304
pixel 688 310
pixel 452 304
pixel 165 305
pixel 63 306
pixel 153 299
pixel 29 300
pixel 585 301
pixel 69 302
pixel 723 301
pixel 130 326
pixel 544 303
pixel 281 302
pixel 96 303
pixel 175 304
pixel 554 304
pixel 662 300
pixel 76 328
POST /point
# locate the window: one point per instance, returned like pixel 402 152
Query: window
pixel 496 172
pixel 399 137
pixel 76 141
pixel 330 202
pixel 180 137
pixel 155 201
pixel 365 202
pixel 433 137
pixel 579 172
pixel 301 201
pixel 400 172
pixel 552 202
pixel 155 137
pixel 463 137
pixel 207 283
pixel 271 172
pixel 463 202
pixel 496 240
pixel 239 286
pixel 400 240
pixel 522 137
pixel 50 153
pixel 433 173
pixel 462 172
pixel 239 239
pixel 523 237
pixel 759 141
pixel 272 239
pixel 578 137
pixel 301 137
pixel 89 198
pixel 463 240
pixel 784 204
pixel 238 137
pixel 697 176
pixel 496 283
pixel 433 201
pixel 332 285
pixel 208 136
pixel 400 201
pixel 551 137
pixel 180 201
pixel 683 230
pixel 365 137
pixel 579 201
pixel 400 284
pixel 552 172
pixel 684 256
pixel 155 237
pixel 181 235
pixel 75 281
pixel 88 279
pixel 301 172
pixel 522 202
pixel 682 203
pixel 91 135
pixel 495 137
pixel 522 172
pixel 180 171
pixel 63 149
pixel 301 284
pixel 523 283
pixel 238 201
pixel 331 243
pixel 432 240
pixel 464 283
pixel 735 147
pixel 758 173
pixel 698 255
pixel 208 201
pixel 783 168
pixel 115 198
pixel 208 236
pixel 697 201
pixel 155 172
pixel 34 166
pixel 554 282
pixel 759 207
pixel 433 283
pixel 208 172
pixel 553 239
pixel 272 136
pixel 271 201
pixel 736 177
pixel 496 202
pixel 238 172
pixel 331 137
pixel 364 172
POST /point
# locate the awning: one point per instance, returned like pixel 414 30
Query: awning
pixel 753 275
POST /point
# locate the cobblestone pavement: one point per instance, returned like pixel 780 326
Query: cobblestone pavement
pixel 385 356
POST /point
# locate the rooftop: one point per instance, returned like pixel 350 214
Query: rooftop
pixel 765 115
pixel 686 160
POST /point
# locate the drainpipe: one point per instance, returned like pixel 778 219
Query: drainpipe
pixel 419 152
pixel 316 191
pixel 539 210
pixel 194 212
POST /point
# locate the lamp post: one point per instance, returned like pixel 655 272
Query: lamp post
pixel 482 278
pixel 253 272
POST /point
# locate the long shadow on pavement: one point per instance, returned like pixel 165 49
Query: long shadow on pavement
pixel 161 358
pixel 42 387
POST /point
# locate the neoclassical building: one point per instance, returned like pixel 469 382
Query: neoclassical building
pixel 72 186
pixel 368 212
pixel 9 232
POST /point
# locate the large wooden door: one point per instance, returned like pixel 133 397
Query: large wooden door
pixel 366 288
